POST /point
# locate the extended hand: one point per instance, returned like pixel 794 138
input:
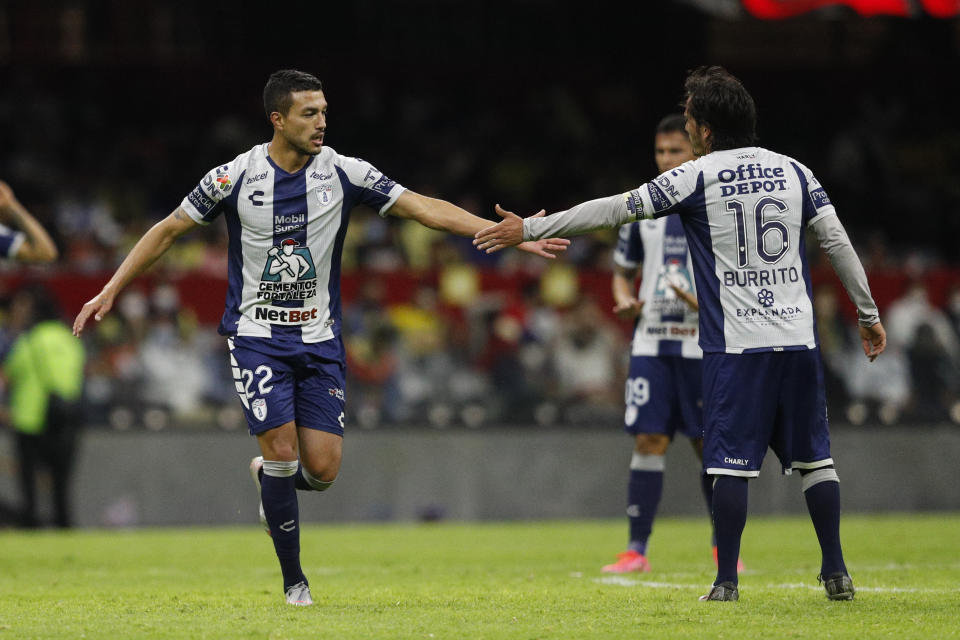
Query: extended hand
pixel 508 233
pixel 874 340
pixel 547 248
pixel 628 309
pixel 100 305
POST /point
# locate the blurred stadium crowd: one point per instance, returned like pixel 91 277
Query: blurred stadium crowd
pixel 101 141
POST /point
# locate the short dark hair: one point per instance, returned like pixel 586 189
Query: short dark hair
pixel 671 123
pixel 276 94
pixel 717 100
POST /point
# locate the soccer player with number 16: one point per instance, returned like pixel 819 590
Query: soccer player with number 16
pixel 744 210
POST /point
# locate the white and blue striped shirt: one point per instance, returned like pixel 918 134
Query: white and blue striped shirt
pixel 286 233
pixel 744 212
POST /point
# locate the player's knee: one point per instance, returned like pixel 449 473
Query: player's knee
pixel 321 469
pixel 647 462
pixel 814 477
pixel 317 483
pixel 279 468
pixel 652 444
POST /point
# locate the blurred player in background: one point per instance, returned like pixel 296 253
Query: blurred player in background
pixel 43 373
pixel 21 236
pixel 663 387
pixel 744 210
pixel 23 239
pixel 286 204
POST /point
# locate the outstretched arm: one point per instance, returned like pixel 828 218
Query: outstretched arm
pixel 603 213
pixel 38 245
pixel 835 243
pixel 148 249
pixel 444 216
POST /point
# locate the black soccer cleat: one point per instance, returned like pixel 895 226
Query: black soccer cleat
pixel 839 586
pixel 725 591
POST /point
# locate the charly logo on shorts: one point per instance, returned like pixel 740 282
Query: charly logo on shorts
pixel 765 298
pixel 259 408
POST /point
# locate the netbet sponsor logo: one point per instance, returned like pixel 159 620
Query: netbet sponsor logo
pixel 276 315
pixel 751 178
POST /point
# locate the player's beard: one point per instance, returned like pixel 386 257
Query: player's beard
pixel 308 151
pixel 304 148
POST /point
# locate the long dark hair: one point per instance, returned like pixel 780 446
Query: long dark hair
pixel 718 101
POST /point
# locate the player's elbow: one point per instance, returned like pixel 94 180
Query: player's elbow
pixel 40 253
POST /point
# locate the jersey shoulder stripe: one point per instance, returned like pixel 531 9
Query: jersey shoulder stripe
pixel 203 203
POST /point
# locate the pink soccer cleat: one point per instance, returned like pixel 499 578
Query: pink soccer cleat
pixel 628 562
pixel 739 561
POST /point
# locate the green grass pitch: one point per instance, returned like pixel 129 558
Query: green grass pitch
pixel 523 580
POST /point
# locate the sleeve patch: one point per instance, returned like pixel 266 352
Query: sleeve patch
pixel 634 204
pixel 820 198
pixel 383 185
pixel 658 198
pixel 201 201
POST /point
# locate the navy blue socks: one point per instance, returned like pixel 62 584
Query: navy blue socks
pixel 278 493
pixel 729 518
pixel 706 485
pixel 643 497
pixel 821 488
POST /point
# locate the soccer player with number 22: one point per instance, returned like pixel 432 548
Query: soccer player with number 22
pixel 286 204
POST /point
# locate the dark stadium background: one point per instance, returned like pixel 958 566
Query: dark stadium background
pixel 116 109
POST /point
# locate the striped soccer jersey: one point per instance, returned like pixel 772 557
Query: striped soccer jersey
pixel 744 212
pixel 667 326
pixel 286 234
pixel 10 241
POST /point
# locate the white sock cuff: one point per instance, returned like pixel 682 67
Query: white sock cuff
pixel 315 483
pixel 647 462
pixel 280 468
pixel 818 476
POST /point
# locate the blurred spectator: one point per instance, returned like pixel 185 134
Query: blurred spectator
pixel 913 309
pixel 372 364
pixel 588 362
pixel 836 344
pixel 44 376
pixel 934 376
pixel 884 158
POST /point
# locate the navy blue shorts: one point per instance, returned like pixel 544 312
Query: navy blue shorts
pixel 275 388
pixel 663 396
pixel 757 400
